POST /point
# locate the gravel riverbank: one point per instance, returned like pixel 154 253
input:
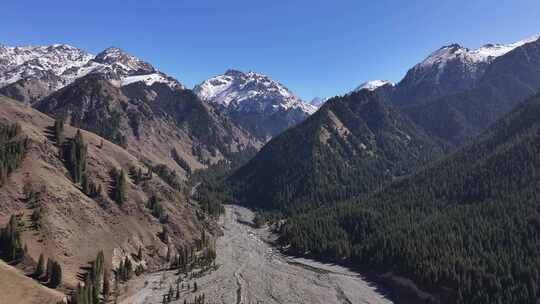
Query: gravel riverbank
pixel 252 271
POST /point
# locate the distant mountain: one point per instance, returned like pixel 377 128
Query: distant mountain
pixel 477 207
pixel 449 70
pixel 31 73
pixel 352 145
pixel 506 81
pixel 125 100
pixel 254 101
pixel 318 101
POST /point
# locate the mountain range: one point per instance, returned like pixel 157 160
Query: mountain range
pixel 429 181
pixel 128 101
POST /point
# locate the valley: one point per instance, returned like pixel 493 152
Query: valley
pixel 253 271
pixel 114 174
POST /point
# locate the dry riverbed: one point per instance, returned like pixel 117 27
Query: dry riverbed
pixel 252 271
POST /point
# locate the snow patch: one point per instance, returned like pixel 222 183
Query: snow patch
pixel 373 85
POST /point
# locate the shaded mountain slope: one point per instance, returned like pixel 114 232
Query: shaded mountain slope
pixel 466 228
pixel 354 144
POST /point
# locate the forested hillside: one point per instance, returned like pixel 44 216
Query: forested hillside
pixel 354 144
pixel 468 225
pixel 66 194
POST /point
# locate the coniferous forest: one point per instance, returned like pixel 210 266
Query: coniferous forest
pixel 12 149
pixel 469 223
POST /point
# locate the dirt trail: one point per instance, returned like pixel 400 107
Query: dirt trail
pixel 252 271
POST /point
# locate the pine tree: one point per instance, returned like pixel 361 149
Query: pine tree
pixel 85 185
pixel 56 275
pixel 49 269
pixel 129 268
pixel 164 234
pixel 76 157
pixel 59 132
pixel 39 268
pixel 119 190
pixel 10 242
pixel 96 276
pixel 106 285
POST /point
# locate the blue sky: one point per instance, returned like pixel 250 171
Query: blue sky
pixel 316 48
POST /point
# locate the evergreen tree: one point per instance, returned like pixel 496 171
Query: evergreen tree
pixel 49 269
pixel 85 185
pixel 59 132
pixel 119 189
pixel 106 285
pixel 13 149
pixel 10 241
pixel 75 157
pixel 56 274
pixel 164 235
pixel 40 267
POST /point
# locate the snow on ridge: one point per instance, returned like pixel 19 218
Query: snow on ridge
pixel 485 53
pixel 149 80
pixel 67 64
pixel 372 85
pixel 497 50
pixel 250 91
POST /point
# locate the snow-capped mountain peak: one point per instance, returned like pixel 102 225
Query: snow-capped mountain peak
pixel 58 65
pixel 130 65
pixel 250 92
pixel 373 85
pixel 484 54
pixel 39 61
pixel 256 102
pixel 450 69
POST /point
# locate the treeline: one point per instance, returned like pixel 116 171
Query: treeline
pixel 11 247
pixel 470 224
pixel 12 149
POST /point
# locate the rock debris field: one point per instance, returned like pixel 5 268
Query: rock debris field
pixel 252 271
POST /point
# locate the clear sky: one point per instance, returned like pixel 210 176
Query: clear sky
pixel 315 48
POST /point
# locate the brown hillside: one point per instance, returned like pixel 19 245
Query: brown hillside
pixel 18 288
pixel 74 226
